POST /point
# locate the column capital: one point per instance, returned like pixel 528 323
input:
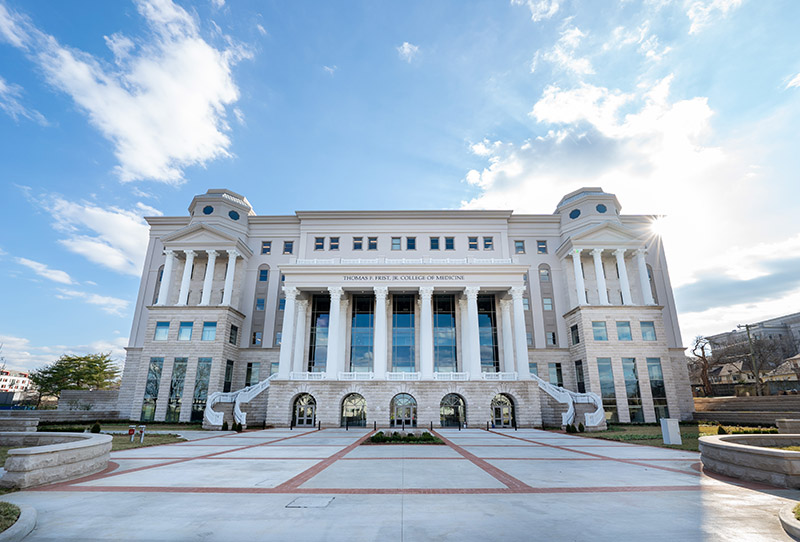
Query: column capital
pixel 302 303
pixel 381 292
pixel 335 291
pixel 290 292
pixel 642 251
pixel 505 304
pixel 472 292
pixel 619 253
pixel 426 291
pixel 189 253
pixel 232 253
pixel 462 303
pixel 213 253
pixel 517 291
pixel 597 252
pixel 576 251
pixel 169 252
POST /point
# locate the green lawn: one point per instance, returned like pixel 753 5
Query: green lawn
pixel 124 426
pixel 8 515
pixel 123 442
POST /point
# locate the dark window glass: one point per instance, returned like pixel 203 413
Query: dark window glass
pixel 260 304
pixel 288 247
pixel 519 247
pixel 541 247
pixel 449 243
pixel 226 386
pixel 319 243
pixel 266 247
pixel 372 243
pixel 551 338
pixel 444 333
pixel 632 390
pixel 434 243
pixel 657 387
pixel 411 243
pixel 233 338
pixel 607 389
pixel 358 243
pixel 473 243
pixel 579 376
pixel 201 388
pixel 263 275
pixel 256 341
pixel 575 334
pixel 176 390
pixel 282 304
pixel 334 243
pixel 318 335
pixel 488 243
pixel 252 376
pixel 487 334
pixel 151 389
pixel 362 332
pixel 403 353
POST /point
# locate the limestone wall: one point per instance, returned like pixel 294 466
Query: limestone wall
pixel 88 400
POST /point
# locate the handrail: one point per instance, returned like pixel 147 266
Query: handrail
pixel 569 398
pixel 244 395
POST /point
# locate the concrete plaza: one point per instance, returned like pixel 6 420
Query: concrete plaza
pixel 321 485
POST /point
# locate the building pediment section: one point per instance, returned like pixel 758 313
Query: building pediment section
pixel 606 236
pixel 205 237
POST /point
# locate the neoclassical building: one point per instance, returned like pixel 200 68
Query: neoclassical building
pixel 405 318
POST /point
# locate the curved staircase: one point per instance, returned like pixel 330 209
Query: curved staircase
pixel 213 418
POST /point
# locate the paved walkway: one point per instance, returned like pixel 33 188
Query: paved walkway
pixel 322 485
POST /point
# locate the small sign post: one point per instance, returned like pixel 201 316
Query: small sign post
pixel 132 431
pixel 141 432
pixel 670 431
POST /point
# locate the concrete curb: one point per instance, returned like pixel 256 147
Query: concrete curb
pixel 22 528
pixel 789 523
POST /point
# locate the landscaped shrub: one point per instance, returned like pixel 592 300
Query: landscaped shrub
pixel 378 437
pixel 721 430
pixel 581 428
pixel 237 427
pixel 95 428
pixel 225 425
pixel 426 437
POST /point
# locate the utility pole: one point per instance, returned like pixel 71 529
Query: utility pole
pixel 756 369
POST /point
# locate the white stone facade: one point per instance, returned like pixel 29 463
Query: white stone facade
pixel 423 303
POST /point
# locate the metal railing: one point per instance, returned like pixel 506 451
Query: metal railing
pixel 402 376
pixel 499 376
pixel 307 376
pixel 355 375
pixel 405 261
pixel 238 397
pixel 451 376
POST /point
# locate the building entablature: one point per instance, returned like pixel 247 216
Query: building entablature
pixel 203 237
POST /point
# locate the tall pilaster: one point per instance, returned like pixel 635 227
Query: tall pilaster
pixel 332 364
pixel 208 281
pixel 166 278
pixel 344 356
pixel 644 279
pixel 597 254
pixel 464 318
pixel 624 284
pixel 473 333
pixel 300 334
pixel 508 336
pixel 426 333
pixel 229 274
pixel 520 337
pixel 580 288
pixel 287 334
pixel 379 344
pixel 183 293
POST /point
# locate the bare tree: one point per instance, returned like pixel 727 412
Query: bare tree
pixel 758 354
pixel 703 361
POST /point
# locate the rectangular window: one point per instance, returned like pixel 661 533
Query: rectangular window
pixel 599 330
pixel 266 247
pixel 233 337
pixel 487 334
pixel 473 243
pixel 318 343
pixel 403 324
pixel 263 275
pixel 362 332
pixel 607 389
pixel 282 304
pixel 260 304
pixel 648 331
pixel 176 390
pixel 444 333
pixel 632 390
pixel 519 247
pixel 575 334
pixel 319 243
pixel 551 338
pixel 657 387
pixel 333 244
pixel 449 243
pixel 556 376
pixel 151 389
pixel 162 331
pixel 541 247
pixel 411 243
pixel 256 339
pixel 252 375
pixel 283 278
pixel 209 331
pixel 358 243
pixel 288 247
pixel 185 331
pixel 544 275
pixel 579 376
pixel 624 331
pixel 226 386
pixel 529 338
pixel 533 367
pixel 526 304
pixel 278 336
pixel 434 243
pixel 547 303
pixel 488 243
pixel 372 243
pixel 396 243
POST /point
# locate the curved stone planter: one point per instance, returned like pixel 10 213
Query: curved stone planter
pixel 52 457
pixel 742 456
pixel 22 527
pixel 788 521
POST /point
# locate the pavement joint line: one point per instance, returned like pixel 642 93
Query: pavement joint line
pixel 502 476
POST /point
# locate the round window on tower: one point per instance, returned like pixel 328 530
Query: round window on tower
pixel 208 209
pixel 575 213
pixel 234 215
pixel 601 208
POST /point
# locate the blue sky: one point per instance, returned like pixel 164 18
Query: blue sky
pixel 111 111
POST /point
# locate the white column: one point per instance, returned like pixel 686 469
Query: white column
pixel 229 273
pixel 287 333
pixel 335 314
pixel 508 336
pixel 209 278
pixel 597 254
pixel 166 278
pixel 465 357
pixel 624 285
pixel 300 336
pixel 647 294
pixel 473 338
pixel 343 354
pixel 187 276
pixel 520 338
pixel 426 333
pixel 580 288
pixel 379 341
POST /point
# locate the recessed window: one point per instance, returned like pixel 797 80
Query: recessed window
pixel 529 338
pixel 541 247
pixel 288 247
pixel 260 304
pixel 334 243
pixel 551 338
pixel 278 337
pixel 256 340
pixel 282 304
pixel 162 331
pixel 434 243
pixel 396 243
pixel 411 243
pixel 575 334
pixel 208 209
pixel 209 331
pixel 233 337
pixel 358 243
pixel 449 243
pixel 488 243
pixel 648 331
pixel 234 215
pixel 624 331
pixel 575 213
pixel 526 303
pixel 263 275
pixel 266 247
pixel 372 243
pixel 319 243
pixel 473 243
pixel 544 275
pixel 283 279
pixel 185 331
pixel 547 303
pixel 519 247
pixel 601 208
pixel 599 331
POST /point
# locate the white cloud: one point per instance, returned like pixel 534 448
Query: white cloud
pixel 407 51
pixel 649 44
pixel 10 104
pixel 540 9
pixel 21 355
pixel 261 30
pixel 795 82
pixel 563 54
pixel 108 304
pixel 330 70
pixel 702 13
pixel 62 277
pixel 163 104
pixel 218 3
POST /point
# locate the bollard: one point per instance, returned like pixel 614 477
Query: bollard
pixel 132 431
pixel 141 432
pixel 487 426
pixel 374 425
pixel 403 424
pixel 347 424
pixel 319 426
pixel 514 423
pixel 431 426
pixel 459 425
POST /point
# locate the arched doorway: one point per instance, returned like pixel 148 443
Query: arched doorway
pixel 304 411
pixel 354 411
pixel 502 411
pixel 403 411
pixel 452 410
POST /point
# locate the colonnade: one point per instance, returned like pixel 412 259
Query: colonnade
pixel 186 277
pixel 624 282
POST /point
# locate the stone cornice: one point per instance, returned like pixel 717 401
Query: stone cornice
pixel 205 308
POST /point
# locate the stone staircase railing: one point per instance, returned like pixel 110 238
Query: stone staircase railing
pixel 238 397
pixel 569 398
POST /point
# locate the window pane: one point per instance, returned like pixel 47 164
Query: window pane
pixel 547 303
pixel 162 331
pixel 395 243
pixel 288 247
pixel 151 389
pixel 260 304
pixel 544 275
pixel 473 243
pixel 526 304
pixel 372 243
pixel 266 247
pixel 576 337
pixel 185 331
pixel 488 243
pixel 362 332
pixel 334 243
pixel 556 376
pixel 233 338
pixel 607 389
pixel 519 247
pixel 403 355
pixel 263 275
pixel 319 243
pixel 434 243
pixel 201 388
pixel 624 331
pixel 541 247
pixel 444 333
pixel 449 243
pixel 632 389
pixel 209 331
pixel 358 243
pixel 411 243
pixel 648 331
pixel 599 331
